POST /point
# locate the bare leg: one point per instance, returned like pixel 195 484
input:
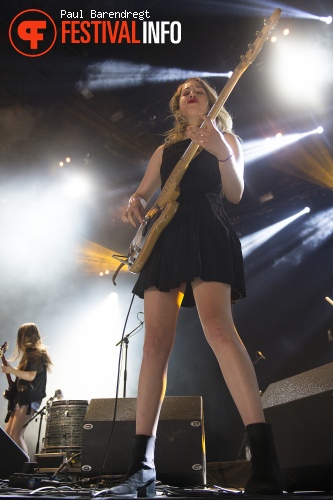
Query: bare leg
pixel 15 429
pixel 214 307
pixel 161 313
pixel 213 302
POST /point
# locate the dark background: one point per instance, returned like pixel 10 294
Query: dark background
pixel 44 118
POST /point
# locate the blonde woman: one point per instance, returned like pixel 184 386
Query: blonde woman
pixel 197 261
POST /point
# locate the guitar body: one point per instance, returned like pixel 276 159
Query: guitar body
pixel 11 392
pixel 147 235
pixel 165 206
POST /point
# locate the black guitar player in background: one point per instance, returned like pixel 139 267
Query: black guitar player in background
pixel 197 260
pixel 30 383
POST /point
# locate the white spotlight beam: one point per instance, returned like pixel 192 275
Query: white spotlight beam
pixel 259 148
pixel 256 8
pixel 253 241
pixel 116 74
pixel 313 233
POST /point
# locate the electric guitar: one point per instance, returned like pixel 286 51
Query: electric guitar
pixel 9 393
pixel 165 206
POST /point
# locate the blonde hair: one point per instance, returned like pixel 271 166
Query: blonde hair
pixel 223 120
pixel 29 345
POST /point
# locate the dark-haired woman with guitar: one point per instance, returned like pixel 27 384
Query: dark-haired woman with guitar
pixel 25 394
pixel 197 260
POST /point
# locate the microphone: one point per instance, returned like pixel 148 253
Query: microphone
pixel 260 355
pixel 330 301
pixel 58 395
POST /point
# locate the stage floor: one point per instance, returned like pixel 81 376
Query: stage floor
pixel 222 479
pixel 23 486
pixel 162 493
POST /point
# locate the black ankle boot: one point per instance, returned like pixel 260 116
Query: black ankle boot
pixel 266 476
pixel 141 476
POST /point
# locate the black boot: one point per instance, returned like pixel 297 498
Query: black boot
pixel 141 476
pixel 266 476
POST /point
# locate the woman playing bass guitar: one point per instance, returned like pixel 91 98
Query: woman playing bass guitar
pixel 197 260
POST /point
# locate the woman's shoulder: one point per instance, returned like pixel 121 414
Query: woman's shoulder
pixel 158 153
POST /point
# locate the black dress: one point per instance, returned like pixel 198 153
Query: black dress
pixel 199 241
pixel 35 391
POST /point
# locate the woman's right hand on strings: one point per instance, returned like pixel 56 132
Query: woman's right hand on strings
pixel 135 210
pixel 6 368
pixel 150 183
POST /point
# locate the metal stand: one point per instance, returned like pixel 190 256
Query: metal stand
pixel 125 340
pixel 41 413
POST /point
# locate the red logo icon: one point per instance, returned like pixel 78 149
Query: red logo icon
pixel 32 33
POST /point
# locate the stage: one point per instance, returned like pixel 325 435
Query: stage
pixel 225 479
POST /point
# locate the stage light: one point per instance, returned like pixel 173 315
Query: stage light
pixel 39 224
pixel 76 187
pixel 253 241
pixel 320 130
pixel 117 74
pixel 326 20
pixel 299 71
pixel 286 32
pixel 95 259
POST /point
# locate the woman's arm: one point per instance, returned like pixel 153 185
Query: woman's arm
pixel 148 186
pixel 227 149
pixel 29 376
pixel 232 169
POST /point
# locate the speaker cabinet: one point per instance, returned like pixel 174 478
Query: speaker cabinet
pixel 180 446
pixel 300 409
pixel 12 457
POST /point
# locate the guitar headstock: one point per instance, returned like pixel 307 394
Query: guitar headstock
pixel 254 49
pixel 262 36
pixel 3 348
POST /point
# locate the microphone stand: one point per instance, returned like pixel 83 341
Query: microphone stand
pixel 41 413
pixel 125 340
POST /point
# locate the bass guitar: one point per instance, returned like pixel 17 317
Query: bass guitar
pixel 9 393
pixel 165 206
